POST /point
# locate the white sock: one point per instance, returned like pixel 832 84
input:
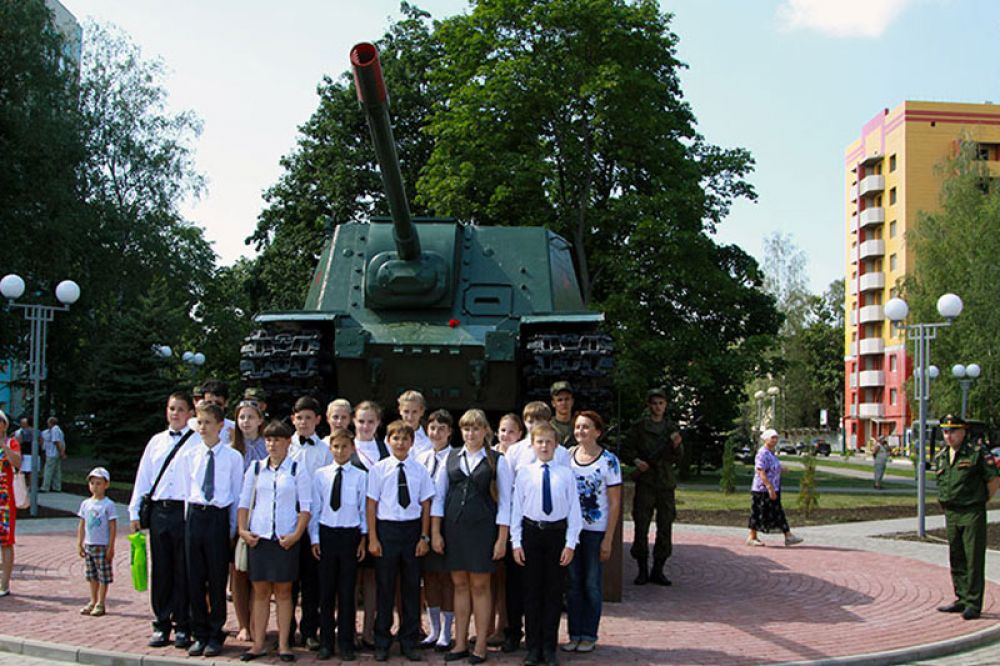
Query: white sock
pixel 445 636
pixel 434 615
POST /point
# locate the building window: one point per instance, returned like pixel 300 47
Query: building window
pixel 892 396
pixel 892 197
pixel 892 262
pixel 892 366
pixel 878 200
pixel 892 229
pixel 892 163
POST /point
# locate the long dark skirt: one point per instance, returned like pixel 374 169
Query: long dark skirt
pixel 767 515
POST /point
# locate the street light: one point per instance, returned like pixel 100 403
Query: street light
pixel 965 374
pixel 67 293
pixel 759 421
pixel 774 391
pixel 193 359
pixel 949 306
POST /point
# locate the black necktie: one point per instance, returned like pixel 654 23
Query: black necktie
pixel 176 433
pixel 208 483
pixel 307 441
pixel 437 461
pixel 338 481
pixel 404 490
pixel 546 490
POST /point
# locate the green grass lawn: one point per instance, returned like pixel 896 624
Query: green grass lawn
pixel 789 479
pixel 714 500
pixel 838 461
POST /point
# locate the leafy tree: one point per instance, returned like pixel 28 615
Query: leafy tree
pixel 808 488
pixel 954 249
pixel 727 477
pixel 570 115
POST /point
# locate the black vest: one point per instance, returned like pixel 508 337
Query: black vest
pixel 469 497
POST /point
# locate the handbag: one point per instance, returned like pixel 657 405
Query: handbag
pixel 21 500
pixel 140 578
pixel 146 503
pixel 241 558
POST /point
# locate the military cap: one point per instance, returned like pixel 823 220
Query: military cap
pixel 952 422
pixel 255 394
pixel 559 387
pixel 658 392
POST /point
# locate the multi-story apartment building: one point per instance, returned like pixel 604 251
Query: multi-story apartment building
pixel 890 175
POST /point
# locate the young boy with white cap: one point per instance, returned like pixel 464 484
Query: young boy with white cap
pixel 95 539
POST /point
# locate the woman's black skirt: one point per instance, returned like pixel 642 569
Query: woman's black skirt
pixel 766 515
pixel 271 563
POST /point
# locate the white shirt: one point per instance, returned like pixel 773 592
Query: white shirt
pixel 421 443
pixel 383 488
pixel 353 492
pixel 173 485
pixel 528 501
pixel 467 463
pixel 434 461
pixel 273 513
pixel 228 478
pixel 592 483
pixel 311 456
pixel 49 439
pixel 225 435
pixel 368 452
pixel 521 454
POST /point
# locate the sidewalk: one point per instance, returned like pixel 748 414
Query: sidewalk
pixel 837 598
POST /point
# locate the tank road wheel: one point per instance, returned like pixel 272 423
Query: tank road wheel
pixel 288 363
pixel 585 360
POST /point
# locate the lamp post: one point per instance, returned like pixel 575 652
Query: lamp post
pixel 774 391
pixel 965 374
pixel 193 359
pixel 759 422
pixel 68 293
pixel 949 306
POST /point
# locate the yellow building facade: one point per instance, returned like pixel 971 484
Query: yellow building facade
pixel 891 174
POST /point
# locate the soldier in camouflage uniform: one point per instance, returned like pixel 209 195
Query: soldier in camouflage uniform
pixel 562 412
pixel 967 477
pixel 653 445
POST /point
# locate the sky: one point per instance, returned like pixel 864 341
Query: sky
pixel 793 81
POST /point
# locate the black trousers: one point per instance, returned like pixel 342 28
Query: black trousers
pixel 514 591
pixel 543 581
pixel 399 561
pixel 208 556
pixel 305 593
pixel 169 588
pixel 338 569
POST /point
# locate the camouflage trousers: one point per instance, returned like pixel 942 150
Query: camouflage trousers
pixel 647 502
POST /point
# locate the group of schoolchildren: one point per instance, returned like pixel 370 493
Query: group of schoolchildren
pixel 495 531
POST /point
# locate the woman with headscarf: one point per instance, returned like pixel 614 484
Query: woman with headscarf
pixel 766 513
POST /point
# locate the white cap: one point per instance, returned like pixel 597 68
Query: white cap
pixel 100 473
pixel 3 417
pixel 768 434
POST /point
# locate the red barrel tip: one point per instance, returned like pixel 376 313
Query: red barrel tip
pixel 363 54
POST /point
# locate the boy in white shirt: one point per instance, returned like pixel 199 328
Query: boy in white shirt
pixel 95 539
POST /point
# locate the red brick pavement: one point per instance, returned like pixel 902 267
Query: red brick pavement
pixel 729 604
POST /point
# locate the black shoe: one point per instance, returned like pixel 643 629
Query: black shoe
pixel 511 644
pixel 534 658
pixel 213 649
pixel 159 639
pixel 324 653
pixel 181 640
pixel 311 643
pixel 197 649
pixel 656 573
pixel 413 654
pixel 551 659
pixel 249 656
pixel 381 654
pixel 954 607
pixel 970 613
pixel 286 656
pixel 366 645
pixel 643 576
pixel 476 659
pixel 457 656
pixel 347 654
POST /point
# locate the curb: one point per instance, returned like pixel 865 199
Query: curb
pixel 68 653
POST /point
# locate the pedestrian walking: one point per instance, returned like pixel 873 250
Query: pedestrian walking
pixel 881 456
pixel 766 512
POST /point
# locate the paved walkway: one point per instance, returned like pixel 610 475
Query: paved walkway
pixel 842 594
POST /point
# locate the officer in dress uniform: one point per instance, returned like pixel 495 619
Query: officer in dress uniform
pixel 653 445
pixel 967 477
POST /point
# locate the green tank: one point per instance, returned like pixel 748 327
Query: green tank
pixel 470 316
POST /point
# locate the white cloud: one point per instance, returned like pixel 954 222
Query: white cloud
pixel 841 18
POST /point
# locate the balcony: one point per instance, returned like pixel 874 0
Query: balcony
pixel 852 286
pixel 872 216
pixel 872 346
pixel 871 410
pixel 854 193
pixel 852 350
pixel 871 159
pixel 871 378
pixel 872 281
pixel 871 185
pixel 870 314
pixel 854 224
pixel 871 249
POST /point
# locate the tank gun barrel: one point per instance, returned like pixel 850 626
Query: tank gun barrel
pixel 374 100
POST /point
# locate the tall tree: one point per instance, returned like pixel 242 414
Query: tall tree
pixel 955 248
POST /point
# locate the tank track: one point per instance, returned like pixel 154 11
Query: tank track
pixel 287 364
pixel 584 359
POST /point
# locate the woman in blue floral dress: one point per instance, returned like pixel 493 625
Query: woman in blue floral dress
pixel 599 484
